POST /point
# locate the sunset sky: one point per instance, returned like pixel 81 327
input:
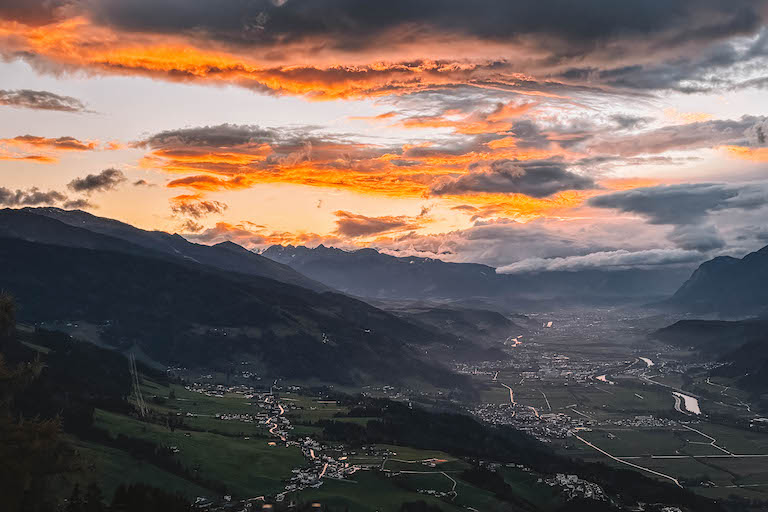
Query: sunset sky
pixel 555 134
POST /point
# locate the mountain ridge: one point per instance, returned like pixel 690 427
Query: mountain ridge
pixel 727 286
pixel 202 316
pixel 371 274
pixel 223 256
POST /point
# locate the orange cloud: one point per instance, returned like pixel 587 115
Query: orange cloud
pixel 256 236
pixel 352 225
pixel 747 153
pixel 380 117
pixel 57 144
pixel 686 117
pixel 229 157
pixel 114 145
pixel 77 43
pixel 193 205
pixel 496 121
pixel 41 159
pixel 519 206
pixel 21 148
pixel 629 183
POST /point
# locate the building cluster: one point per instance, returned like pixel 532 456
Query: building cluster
pixel 544 427
pixel 574 487
pixel 646 421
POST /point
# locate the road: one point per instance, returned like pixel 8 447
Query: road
pixel 455 483
pixel 718 456
pixel 651 381
pixel 723 392
pixel 712 439
pixel 546 400
pixel 511 392
pixel 580 413
pixel 673 479
pixel 678 404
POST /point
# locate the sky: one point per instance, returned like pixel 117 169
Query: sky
pixel 530 136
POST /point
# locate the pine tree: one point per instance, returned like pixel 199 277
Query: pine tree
pixel 75 502
pixel 94 499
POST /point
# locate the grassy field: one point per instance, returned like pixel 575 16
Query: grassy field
pixel 370 492
pixel 111 467
pixel 526 485
pixel 248 467
pixel 302 408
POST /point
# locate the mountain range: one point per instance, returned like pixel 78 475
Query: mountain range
pixel 726 287
pixel 368 273
pixel 27 224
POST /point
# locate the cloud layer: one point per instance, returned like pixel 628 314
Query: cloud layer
pixel 40 100
pixel 533 178
pixel 682 204
pixel 610 260
pixel 405 46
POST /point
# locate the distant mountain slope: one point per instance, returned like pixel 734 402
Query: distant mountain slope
pixel 225 256
pixel 748 364
pixel 716 337
pixel 742 344
pixel 729 286
pixel 201 316
pixel 368 273
pixel 480 326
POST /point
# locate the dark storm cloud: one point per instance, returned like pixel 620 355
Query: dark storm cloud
pixel 702 238
pixel 29 197
pixel 78 204
pixel 294 142
pixel 225 135
pixel 107 179
pixel 351 24
pixel 33 12
pixel 40 100
pixel 683 204
pixel 688 74
pixel 532 178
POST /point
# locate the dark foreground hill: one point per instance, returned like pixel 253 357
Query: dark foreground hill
pixel 200 316
pixel 75 228
pixel 368 273
pixel 726 286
